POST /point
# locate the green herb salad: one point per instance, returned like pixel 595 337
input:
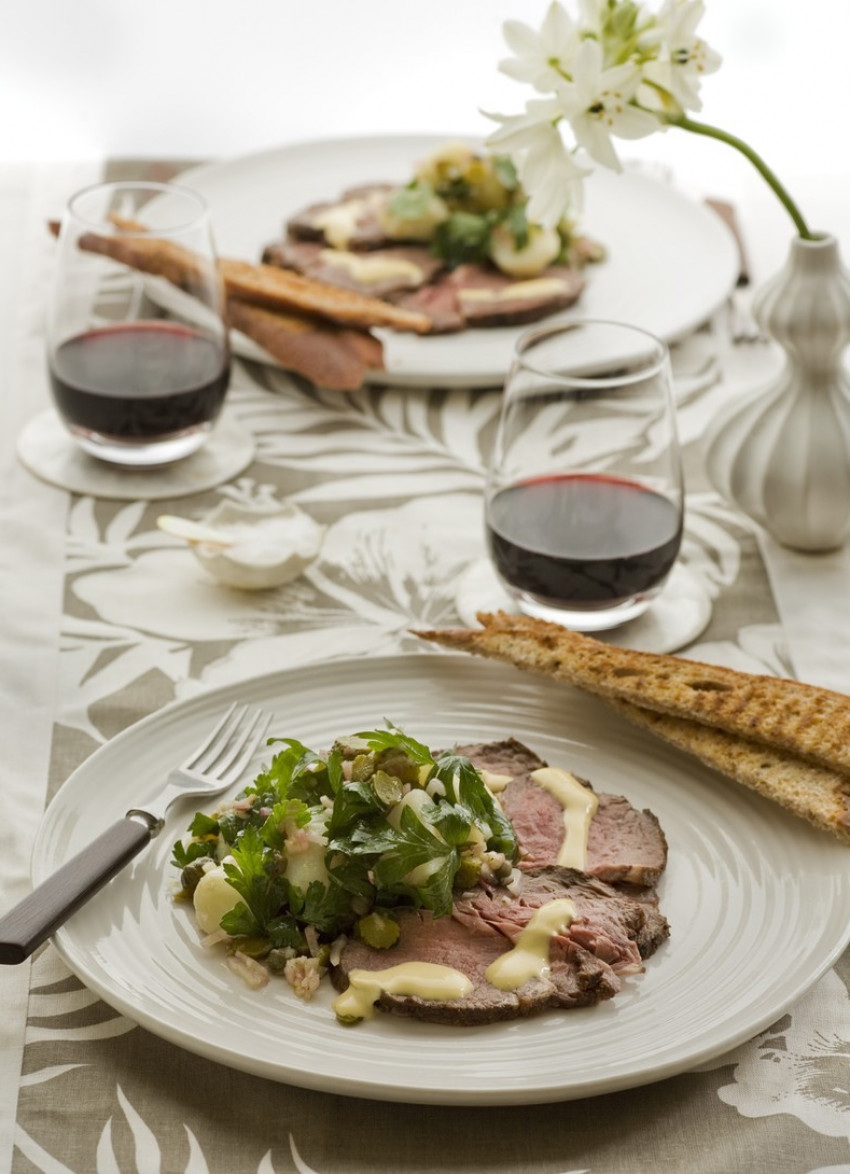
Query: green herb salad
pixel 323 846
pixel 470 206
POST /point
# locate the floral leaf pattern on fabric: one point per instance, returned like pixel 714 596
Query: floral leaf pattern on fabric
pixel 799 1066
pixel 396 477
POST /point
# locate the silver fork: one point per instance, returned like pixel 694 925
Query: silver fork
pixel 210 769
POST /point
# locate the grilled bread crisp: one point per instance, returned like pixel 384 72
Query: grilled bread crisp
pixel 262 285
pixel 335 357
pixel 803 719
pixel 280 289
pixel 815 793
pixel 787 740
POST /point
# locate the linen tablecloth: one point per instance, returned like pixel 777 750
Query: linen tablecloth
pixel 106 619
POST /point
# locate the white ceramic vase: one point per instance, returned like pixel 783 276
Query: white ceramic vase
pixel 782 452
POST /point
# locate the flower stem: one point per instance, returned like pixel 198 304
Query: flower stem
pixel 713 132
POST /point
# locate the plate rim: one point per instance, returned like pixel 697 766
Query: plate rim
pixel 414 142
pixel 363 1086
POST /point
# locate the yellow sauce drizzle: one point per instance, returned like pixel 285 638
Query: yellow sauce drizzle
pixel 579 804
pixel 340 220
pixel 428 980
pixel 534 287
pixel 371 270
pixel 529 956
pixel 495 783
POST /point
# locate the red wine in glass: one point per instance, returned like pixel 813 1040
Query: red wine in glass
pixel 582 539
pixel 139 381
pixel 138 367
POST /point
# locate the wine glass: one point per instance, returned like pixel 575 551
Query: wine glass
pixel 137 343
pixel 584 498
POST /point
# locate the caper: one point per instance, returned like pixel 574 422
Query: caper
pixel 191 875
pixel 468 873
pixel 253 947
pixel 350 746
pixel 362 768
pixel 277 959
pixel 349 1020
pixel 378 930
pixel 388 788
pixel 395 762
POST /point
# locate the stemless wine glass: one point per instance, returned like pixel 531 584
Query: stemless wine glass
pixel 137 353
pixel 584 498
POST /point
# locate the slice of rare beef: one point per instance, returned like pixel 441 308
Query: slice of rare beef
pixel 624 845
pixel 614 927
pixel 438 301
pixel 379 272
pixel 487 297
pixel 354 221
pixel 585 964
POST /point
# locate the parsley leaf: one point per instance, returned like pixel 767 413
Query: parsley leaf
pixel 517 225
pixel 393 738
pixel 411 202
pixel 353 802
pixel 294 773
pixel 203 825
pixel 465 786
pixel 293 813
pixel 410 846
pixel 464 236
pixel 327 907
pixel 183 854
pixel 255 877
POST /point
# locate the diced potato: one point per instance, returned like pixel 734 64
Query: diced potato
pixel 213 898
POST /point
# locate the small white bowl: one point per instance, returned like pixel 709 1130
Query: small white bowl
pixel 269 545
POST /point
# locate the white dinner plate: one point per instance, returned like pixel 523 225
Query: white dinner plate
pixel 671 262
pixel 744 880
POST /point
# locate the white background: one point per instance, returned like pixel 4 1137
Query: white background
pixel 216 78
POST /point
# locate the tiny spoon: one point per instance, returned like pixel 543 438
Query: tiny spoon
pixel 191 531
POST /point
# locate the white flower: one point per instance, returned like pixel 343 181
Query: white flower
pixel 598 104
pixel 591 16
pixel 683 60
pixel 542 57
pixel 547 170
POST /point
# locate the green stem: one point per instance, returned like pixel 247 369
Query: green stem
pixel 713 132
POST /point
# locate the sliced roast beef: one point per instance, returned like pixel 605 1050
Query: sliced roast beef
pixel 364 228
pixel 609 923
pixel 487 297
pixel 446 942
pixel 624 845
pixel 438 301
pixel 380 272
pixel 479 296
pixel 607 939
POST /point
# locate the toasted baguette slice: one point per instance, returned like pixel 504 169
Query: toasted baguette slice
pixel 806 721
pixel 266 285
pixel 331 356
pixel 814 793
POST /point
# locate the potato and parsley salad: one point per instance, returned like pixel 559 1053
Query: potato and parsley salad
pixel 321 847
pixel 471 207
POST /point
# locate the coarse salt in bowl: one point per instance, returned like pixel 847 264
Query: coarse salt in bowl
pixel 267 545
